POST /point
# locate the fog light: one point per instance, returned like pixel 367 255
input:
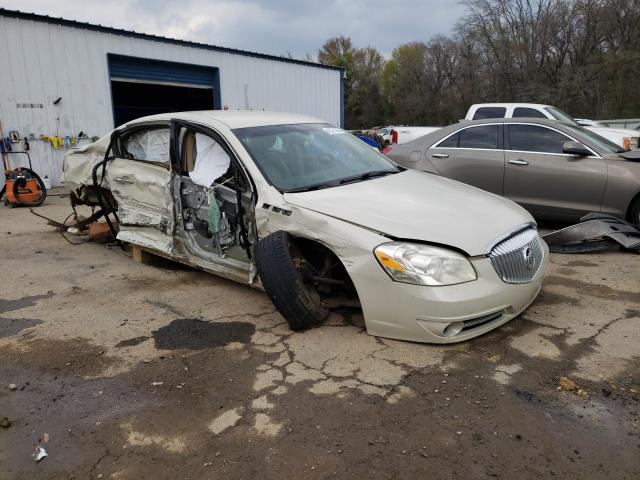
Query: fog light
pixel 453 329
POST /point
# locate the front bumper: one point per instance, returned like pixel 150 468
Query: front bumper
pixel 421 314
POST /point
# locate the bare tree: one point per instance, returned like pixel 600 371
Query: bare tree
pixel 580 55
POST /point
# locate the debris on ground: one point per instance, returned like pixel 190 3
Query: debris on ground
pixel 5 422
pixel 568 384
pixel 156 384
pixel 595 231
pixel 100 232
pixel 13 387
pixel 39 453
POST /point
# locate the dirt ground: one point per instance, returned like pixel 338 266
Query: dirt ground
pixel 130 371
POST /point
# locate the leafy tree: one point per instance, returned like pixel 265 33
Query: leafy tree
pixel 363 67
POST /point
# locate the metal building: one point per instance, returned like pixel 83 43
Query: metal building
pixel 63 82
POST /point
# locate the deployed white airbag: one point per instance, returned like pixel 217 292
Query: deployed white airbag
pixel 211 161
pixel 149 145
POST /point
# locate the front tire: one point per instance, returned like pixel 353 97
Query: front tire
pixel 282 271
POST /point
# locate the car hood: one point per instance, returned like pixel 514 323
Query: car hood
pixel 619 131
pixel 414 205
pixel 630 155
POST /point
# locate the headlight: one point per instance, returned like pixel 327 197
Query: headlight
pixel 424 264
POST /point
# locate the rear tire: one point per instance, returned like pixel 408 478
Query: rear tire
pixel 294 296
pixel 634 212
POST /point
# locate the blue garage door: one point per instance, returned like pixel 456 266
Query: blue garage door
pixel 122 68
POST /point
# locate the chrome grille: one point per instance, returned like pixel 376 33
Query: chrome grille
pixel 518 258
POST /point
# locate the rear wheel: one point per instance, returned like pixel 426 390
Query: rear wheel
pixel 634 212
pixel 288 280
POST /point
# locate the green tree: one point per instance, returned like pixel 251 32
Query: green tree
pixel 364 104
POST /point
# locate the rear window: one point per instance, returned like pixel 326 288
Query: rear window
pixel 489 112
pixel 526 112
pixel 484 136
pixel 451 142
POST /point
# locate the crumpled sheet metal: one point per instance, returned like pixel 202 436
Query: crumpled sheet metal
pixel 144 200
pixel 79 163
pixel 146 237
pixel 595 232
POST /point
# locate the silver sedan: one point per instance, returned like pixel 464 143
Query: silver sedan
pixel 553 169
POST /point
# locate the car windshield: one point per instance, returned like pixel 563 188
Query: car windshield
pixel 309 156
pixel 604 145
pixel 560 115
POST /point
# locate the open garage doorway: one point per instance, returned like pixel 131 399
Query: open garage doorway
pixel 141 87
pixel 133 100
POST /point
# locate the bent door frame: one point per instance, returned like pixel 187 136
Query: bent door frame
pixel 175 147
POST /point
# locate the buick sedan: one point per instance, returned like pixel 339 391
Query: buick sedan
pixel 316 218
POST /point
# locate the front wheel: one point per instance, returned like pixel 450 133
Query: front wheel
pixel 287 280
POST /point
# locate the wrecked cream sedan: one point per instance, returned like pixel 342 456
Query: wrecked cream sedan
pixel 317 219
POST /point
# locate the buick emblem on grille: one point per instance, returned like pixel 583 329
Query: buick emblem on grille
pixel 529 258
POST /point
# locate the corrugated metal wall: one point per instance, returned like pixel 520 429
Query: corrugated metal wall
pixel 44 61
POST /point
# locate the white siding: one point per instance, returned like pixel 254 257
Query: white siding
pixel 44 61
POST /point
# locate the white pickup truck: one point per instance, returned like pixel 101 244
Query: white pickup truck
pixel 627 139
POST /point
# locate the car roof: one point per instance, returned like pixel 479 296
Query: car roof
pixel 510 104
pixel 542 121
pixel 232 118
pixel 433 137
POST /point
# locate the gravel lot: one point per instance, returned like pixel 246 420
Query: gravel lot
pixel 129 371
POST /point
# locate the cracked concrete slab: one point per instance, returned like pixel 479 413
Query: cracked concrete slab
pixel 225 420
pixel 139 439
pixel 537 343
pixel 503 373
pixel 297 372
pixel 615 349
pixel 264 425
pixel 245 396
pixel 262 403
pixel 267 379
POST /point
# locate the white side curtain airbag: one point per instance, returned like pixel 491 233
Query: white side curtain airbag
pixel 149 145
pixel 211 161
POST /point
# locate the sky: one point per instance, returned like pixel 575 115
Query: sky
pixel 277 27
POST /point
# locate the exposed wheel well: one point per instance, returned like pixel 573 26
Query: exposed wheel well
pixel 336 281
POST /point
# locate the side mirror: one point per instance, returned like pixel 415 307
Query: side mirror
pixel 575 148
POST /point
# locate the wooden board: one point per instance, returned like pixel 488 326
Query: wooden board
pixel 140 255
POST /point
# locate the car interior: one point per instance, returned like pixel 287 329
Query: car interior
pixel 214 200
